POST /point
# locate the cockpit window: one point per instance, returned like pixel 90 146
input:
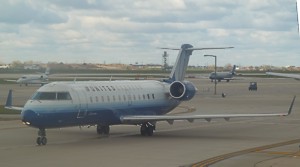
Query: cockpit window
pixel 63 96
pixel 51 96
pixel 44 96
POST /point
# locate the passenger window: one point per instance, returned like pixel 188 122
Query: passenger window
pixel 91 88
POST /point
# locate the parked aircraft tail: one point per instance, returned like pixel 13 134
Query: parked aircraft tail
pixel 47 72
pixel 179 69
pixel 233 70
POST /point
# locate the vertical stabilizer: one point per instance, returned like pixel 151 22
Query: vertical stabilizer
pixel 9 99
pixel 179 68
pixel 233 70
pixel 47 72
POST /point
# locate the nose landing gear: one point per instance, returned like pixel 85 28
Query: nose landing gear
pixel 41 139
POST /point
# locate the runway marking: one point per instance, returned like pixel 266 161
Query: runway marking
pixel 216 159
pixel 280 153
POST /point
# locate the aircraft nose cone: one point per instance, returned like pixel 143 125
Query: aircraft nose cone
pixel 28 116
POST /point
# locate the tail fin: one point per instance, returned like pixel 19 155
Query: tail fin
pixel 179 68
pixel 9 99
pixel 233 70
pixel 47 72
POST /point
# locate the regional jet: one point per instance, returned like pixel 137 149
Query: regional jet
pixel 106 103
pixel 223 75
pixel 33 79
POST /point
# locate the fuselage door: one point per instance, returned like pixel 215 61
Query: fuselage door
pixel 82 103
pixel 129 96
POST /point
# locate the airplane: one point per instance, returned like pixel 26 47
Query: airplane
pixel 33 79
pixel 223 75
pixel 107 103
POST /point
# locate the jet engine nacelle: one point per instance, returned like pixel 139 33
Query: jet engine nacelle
pixel 182 90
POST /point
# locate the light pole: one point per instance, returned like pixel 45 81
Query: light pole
pixel 215 70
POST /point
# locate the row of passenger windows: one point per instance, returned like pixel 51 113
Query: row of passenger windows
pixel 122 98
pixel 111 88
pixel 51 96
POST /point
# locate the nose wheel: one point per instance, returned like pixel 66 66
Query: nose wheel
pixel 41 139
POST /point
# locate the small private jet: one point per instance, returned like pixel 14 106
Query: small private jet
pixel 33 79
pixel 219 76
pixel 106 103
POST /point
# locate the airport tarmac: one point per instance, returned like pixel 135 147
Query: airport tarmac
pixel 239 142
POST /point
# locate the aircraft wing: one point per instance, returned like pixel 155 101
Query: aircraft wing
pixel 171 118
pixel 10 80
pixel 296 76
pixel 14 108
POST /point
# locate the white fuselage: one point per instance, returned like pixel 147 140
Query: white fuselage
pixel 89 102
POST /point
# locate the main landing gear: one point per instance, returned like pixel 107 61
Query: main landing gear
pixel 147 129
pixel 41 139
pixel 103 130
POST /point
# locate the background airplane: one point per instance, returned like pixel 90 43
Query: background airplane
pixel 33 78
pixel 106 103
pixel 223 75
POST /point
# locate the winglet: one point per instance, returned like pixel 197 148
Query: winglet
pixel 9 99
pixel 291 106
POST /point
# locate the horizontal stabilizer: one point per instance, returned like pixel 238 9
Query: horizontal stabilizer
pixel 198 48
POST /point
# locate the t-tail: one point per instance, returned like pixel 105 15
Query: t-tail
pixel 233 70
pixel 47 72
pixel 179 69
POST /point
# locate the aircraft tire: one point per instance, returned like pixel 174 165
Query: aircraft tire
pixel 43 140
pixel 106 130
pixel 103 130
pixel 39 141
pixel 149 130
pixel 143 130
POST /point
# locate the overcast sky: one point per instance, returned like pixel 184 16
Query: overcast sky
pixel 263 32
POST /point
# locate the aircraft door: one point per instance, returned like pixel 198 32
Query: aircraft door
pixel 82 104
pixel 129 97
